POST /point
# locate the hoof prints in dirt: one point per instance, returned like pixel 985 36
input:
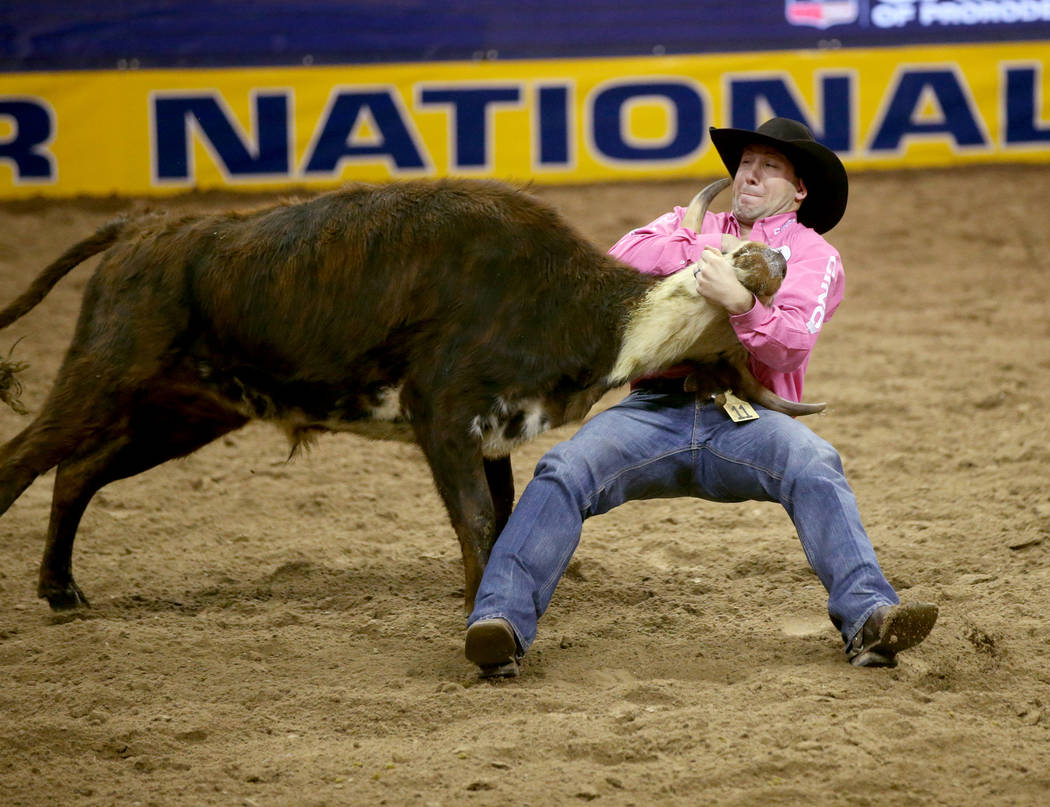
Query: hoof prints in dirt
pixel 686 660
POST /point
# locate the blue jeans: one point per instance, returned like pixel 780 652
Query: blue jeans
pixel 660 445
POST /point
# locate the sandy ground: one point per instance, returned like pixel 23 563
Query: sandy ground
pixel 273 633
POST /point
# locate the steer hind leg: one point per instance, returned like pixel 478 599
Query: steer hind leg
pixel 26 456
pixel 150 435
pixel 65 420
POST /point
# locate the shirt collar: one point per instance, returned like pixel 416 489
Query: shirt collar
pixel 772 225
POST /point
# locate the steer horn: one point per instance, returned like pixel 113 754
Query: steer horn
pixel 694 214
pixel 751 389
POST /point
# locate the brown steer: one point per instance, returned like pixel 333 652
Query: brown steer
pixel 486 315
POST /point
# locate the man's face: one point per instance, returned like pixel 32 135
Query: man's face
pixel 765 184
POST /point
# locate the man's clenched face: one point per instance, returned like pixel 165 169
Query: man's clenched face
pixel 765 184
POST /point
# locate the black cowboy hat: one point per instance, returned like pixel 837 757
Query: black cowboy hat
pixel 819 167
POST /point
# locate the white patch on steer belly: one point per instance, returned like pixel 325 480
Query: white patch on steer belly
pixel 673 323
pixel 490 428
pixel 302 428
pixel 389 406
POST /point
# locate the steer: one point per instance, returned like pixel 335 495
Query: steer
pixel 487 315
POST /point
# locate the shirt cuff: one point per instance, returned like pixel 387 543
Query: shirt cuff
pixel 758 313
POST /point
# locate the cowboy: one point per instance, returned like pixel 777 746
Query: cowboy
pixel 670 437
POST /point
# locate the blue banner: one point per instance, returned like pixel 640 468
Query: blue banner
pixel 74 35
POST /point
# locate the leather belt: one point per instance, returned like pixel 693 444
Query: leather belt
pixel 701 384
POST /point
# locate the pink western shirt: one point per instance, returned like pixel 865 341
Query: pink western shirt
pixel 778 337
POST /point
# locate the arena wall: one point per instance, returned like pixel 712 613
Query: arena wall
pixel 165 123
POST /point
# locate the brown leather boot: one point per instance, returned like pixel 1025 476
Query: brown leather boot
pixel 492 645
pixel 889 630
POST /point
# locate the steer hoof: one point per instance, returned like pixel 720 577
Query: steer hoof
pixel 64 598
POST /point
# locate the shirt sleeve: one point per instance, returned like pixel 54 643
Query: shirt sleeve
pixel 664 246
pixel 782 335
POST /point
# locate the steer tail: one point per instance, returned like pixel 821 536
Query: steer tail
pixel 10 387
pixel 47 279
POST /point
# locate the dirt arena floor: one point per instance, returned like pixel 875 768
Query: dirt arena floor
pixel 265 632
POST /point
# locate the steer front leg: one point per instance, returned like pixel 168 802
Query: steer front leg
pixel 500 476
pixel 462 481
pixel 465 492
